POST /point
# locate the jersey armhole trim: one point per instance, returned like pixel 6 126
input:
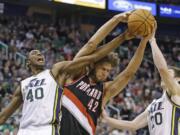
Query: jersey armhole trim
pixel 50 71
pixel 21 91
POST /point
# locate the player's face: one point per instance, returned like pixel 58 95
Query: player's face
pixel 36 58
pixel 102 71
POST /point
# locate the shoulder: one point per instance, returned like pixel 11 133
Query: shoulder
pixel 156 101
pixel 151 104
pixel 26 79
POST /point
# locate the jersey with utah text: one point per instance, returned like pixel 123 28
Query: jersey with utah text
pixel 81 107
pixel 164 117
pixel 41 97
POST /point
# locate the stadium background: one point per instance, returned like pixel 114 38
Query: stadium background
pixel 59 30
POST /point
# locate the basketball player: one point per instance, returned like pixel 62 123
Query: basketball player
pixel 83 98
pixel 40 94
pixel 163 115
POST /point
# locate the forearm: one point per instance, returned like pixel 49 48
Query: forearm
pixel 160 62
pixel 123 78
pixel 137 59
pixel 97 55
pixel 121 124
pixel 8 111
pixel 109 47
pixel 139 122
pixel 11 108
pixel 98 37
pixel 104 30
pixel 158 57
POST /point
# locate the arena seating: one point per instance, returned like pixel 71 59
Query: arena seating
pixel 21 34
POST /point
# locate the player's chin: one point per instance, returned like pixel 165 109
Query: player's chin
pixel 40 64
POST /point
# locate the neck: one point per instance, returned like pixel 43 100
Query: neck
pixel 36 71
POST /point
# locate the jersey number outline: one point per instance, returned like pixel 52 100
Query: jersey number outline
pixel 156 119
pixel 92 105
pixel 39 94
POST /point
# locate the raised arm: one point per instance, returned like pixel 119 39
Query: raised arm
pixel 160 62
pixel 102 32
pixel 117 85
pixel 139 122
pixel 12 107
pixel 70 66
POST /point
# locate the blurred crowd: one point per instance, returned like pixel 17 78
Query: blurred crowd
pixel 61 41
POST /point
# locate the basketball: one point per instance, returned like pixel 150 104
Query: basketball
pixel 141 22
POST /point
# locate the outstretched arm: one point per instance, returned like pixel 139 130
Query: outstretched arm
pixel 103 31
pixel 118 84
pixel 12 107
pixel 68 66
pixel 139 122
pixel 91 46
pixel 160 62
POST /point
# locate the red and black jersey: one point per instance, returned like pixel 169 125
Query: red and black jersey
pixel 81 107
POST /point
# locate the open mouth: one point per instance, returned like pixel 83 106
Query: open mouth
pixel 40 60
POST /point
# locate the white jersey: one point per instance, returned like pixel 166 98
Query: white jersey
pixel 164 117
pixel 41 97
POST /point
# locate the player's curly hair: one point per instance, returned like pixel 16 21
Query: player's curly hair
pixel 111 58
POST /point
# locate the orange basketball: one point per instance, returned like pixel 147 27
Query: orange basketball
pixel 141 22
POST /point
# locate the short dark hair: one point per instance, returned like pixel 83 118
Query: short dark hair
pixel 176 71
pixel 111 58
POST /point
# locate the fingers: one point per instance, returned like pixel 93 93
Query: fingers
pixel 152 35
pixel 129 35
pixel 153 32
pixel 129 12
pixel 124 16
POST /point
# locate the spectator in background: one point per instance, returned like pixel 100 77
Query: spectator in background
pixel 52 38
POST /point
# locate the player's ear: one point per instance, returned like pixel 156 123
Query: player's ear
pixel 27 63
